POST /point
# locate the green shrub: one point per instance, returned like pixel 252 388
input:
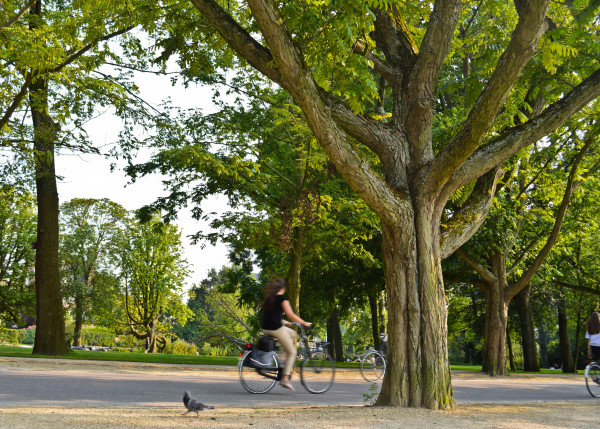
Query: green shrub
pixel 207 350
pixel 17 336
pixel 180 347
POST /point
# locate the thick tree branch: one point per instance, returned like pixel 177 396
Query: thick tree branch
pixel 520 50
pixel 463 225
pixel 423 78
pixel 239 39
pixel 480 269
pixel 577 287
pixel 19 14
pixel 16 101
pixel 502 148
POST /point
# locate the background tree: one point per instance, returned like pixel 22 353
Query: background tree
pixel 17 233
pixel 504 275
pixel 89 241
pixel 153 273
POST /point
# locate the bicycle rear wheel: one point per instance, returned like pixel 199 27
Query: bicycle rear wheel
pixel 253 379
pixel 317 372
pixel 592 379
pixel 372 366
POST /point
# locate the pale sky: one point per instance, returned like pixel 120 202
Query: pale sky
pixel 89 176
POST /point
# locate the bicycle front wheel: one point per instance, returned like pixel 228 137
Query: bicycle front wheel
pixel 257 380
pixel 317 372
pixel 592 379
pixel 372 366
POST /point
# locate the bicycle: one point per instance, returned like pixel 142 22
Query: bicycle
pixel 373 363
pixel 592 378
pixel 260 371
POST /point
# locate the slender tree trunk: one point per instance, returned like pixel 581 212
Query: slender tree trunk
pixel 523 308
pixel 511 358
pixel 418 372
pixel 374 321
pixel 334 336
pixel 563 336
pixel 381 306
pixel 543 342
pixel 78 323
pixel 50 338
pixel 293 279
pixel 577 339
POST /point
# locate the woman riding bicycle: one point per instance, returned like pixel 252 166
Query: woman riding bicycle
pixel 593 336
pixel 274 304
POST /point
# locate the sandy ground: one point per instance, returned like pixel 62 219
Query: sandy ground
pixel 538 415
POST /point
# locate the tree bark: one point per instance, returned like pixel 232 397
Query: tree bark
pixel 496 316
pixel 50 338
pixel 563 337
pixel 416 320
pixel 523 307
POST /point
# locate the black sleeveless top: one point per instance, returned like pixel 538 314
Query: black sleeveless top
pixel 272 317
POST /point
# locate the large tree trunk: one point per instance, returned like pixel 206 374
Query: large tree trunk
pixel 523 307
pixel 568 365
pixel 50 338
pixel 418 372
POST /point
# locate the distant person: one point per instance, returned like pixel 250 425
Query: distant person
pixel 274 305
pixel 593 336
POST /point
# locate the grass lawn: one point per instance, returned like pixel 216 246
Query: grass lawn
pixel 25 351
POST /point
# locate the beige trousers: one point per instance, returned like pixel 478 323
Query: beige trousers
pixel 287 339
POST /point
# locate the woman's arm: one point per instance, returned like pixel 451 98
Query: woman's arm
pixel 287 308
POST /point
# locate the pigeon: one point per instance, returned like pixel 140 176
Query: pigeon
pixel 192 405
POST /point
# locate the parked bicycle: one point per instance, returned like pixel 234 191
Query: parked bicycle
pixel 373 363
pixel 592 378
pixel 260 370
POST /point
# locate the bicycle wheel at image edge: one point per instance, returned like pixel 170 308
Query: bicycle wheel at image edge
pixel 251 379
pixel 372 366
pixel 317 372
pixel 592 379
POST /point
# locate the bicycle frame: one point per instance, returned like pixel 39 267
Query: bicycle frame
pixel 275 373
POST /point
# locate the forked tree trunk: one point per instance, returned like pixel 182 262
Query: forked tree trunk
pixel 523 306
pixel 418 372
